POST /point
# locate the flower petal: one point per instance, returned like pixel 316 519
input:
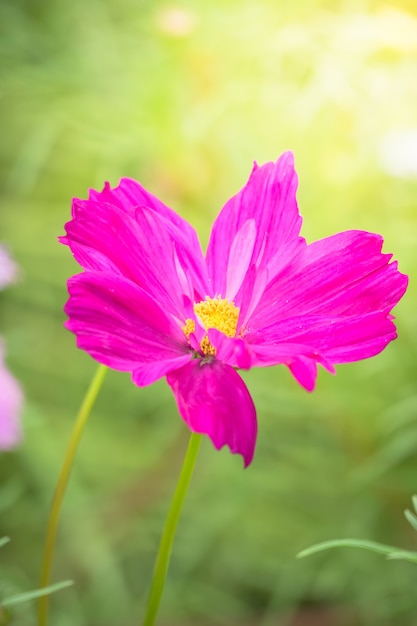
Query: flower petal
pixel 334 299
pixel 342 275
pixel 121 326
pixel 304 371
pixel 304 341
pixel 267 351
pixel 267 199
pixel 240 257
pixel 347 339
pixel 301 360
pixel 213 400
pixel 148 373
pixel 11 402
pixel 231 350
pixel 129 194
pixel 330 305
pixel 141 246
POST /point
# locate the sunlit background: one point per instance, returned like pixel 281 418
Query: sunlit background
pixel 183 97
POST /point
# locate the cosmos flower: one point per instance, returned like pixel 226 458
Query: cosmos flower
pixel 151 303
pixel 11 397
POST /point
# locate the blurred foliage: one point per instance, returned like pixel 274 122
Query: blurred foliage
pixel 183 96
pixel 390 552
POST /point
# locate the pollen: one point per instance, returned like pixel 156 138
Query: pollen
pixel 207 348
pixel 188 328
pixel 216 313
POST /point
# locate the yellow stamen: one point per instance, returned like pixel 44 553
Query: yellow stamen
pixel 188 328
pixel 216 313
pixel 206 347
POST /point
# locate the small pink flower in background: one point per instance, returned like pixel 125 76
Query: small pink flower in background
pixel 149 302
pixel 8 269
pixel 11 401
pixel 11 397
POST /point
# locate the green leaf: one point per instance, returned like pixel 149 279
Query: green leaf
pixel 31 595
pixel 405 555
pixel 414 498
pixel 373 546
pixel 411 518
pixel 3 541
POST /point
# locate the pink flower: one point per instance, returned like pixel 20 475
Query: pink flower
pixel 149 302
pixel 8 269
pixel 11 401
pixel 11 397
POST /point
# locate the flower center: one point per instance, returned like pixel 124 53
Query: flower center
pixel 216 313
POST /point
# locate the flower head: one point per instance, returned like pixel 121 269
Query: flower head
pixel 11 397
pixel 151 303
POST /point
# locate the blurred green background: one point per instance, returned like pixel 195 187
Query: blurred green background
pixel 183 97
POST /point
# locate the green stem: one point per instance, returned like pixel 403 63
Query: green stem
pixel 61 486
pixel 165 547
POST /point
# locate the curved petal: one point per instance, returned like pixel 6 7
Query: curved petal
pixel 213 400
pixel 346 339
pixel 11 402
pixel 342 275
pixel 300 358
pixel 268 201
pixel 231 350
pixel 240 257
pixel 130 195
pixel 330 305
pixel 303 342
pixel 121 326
pixel 191 268
pixel 141 246
pixel 304 371
pixel 148 373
